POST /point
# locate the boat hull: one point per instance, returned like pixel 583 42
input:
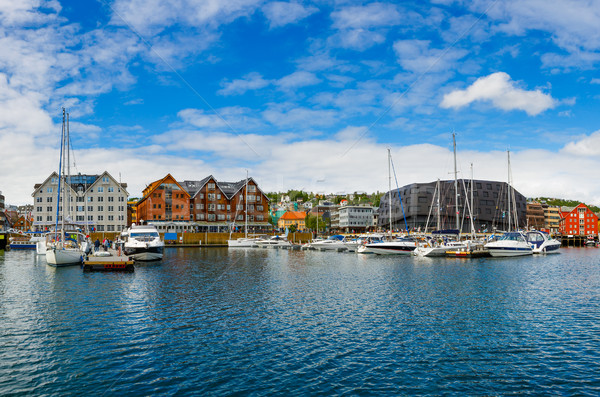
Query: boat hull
pixel 64 257
pixel 509 251
pixel 241 243
pixel 388 248
pixel 547 249
pixel 146 254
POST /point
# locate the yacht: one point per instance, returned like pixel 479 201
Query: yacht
pixel 273 241
pixel 335 242
pixel 542 242
pixel 399 246
pixel 143 243
pixel 432 249
pixel 510 244
pixel 365 239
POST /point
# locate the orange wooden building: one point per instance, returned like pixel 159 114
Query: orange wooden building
pixel 164 200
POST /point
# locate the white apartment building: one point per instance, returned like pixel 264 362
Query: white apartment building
pixel 97 203
pixel 355 217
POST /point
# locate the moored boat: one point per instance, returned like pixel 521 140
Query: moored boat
pixel 542 243
pixel 143 243
pixel 332 243
pixel 273 241
pixel 510 244
pixel 399 246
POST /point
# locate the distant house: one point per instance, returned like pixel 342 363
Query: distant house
pixel 292 218
pixel 578 221
pixel 23 223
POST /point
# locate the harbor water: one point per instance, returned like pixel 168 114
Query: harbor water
pixel 213 321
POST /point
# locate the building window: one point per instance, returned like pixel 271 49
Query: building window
pixel 100 199
pixel 211 186
pixel 100 189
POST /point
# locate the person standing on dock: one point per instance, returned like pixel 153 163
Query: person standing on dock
pixel 96 245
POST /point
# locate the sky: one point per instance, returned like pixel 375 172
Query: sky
pixel 303 94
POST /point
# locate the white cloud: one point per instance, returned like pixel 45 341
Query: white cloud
pixel 361 27
pixel 252 81
pixel 282 13
pixel 297 80
pixel 587 146
pixel 365 17
pixel 287 116
pixel 571 24
pixel 498 89
pixel 416 56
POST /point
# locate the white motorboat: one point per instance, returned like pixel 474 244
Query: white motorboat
pixel 399 246
pixel 273 241
pixel 437 250
pixel 510 244
pixel 143 243
pixel 365 239
pixel 542 242
pixel 244 242
pixel 332 243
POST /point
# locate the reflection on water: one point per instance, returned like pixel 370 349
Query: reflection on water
pixel 270 321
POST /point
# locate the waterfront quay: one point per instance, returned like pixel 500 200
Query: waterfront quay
pixel 289 322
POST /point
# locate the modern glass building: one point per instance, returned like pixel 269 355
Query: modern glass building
pixel 417 207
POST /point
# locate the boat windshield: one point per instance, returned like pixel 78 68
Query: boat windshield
pixel 512 237
pixel 144 235
pixel 336 237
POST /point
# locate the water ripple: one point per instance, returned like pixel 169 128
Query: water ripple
pixel 259 322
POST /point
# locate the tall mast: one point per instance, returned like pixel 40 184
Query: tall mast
pixel 390 188
pixel 508 191
pixel 60 176
pixel 438 204
pixel 456 212
pixel 246 203
pixel 472 207
pixel 68 190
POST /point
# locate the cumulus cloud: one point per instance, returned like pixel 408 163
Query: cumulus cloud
pixel 498 89
pixel 297 79
pixel 588 146
pixel 282 13
pixel 417 56
pixel 251 81
pixel 361 27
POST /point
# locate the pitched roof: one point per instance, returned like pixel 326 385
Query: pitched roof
pixel 293 215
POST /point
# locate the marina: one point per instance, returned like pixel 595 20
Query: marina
pixel 278 321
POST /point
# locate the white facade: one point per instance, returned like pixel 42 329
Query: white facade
pixel 97 202
pixel 355 217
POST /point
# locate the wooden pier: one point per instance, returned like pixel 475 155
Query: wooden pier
pixel 113 262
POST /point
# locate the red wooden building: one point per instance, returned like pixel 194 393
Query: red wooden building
pixel 581 221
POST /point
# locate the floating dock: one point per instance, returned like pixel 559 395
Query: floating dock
pixel 112 262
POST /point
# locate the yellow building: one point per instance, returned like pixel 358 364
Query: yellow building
pixel 290 218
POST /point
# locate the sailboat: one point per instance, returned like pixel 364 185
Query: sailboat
pixel 512 243
pixel 244 241
pixel 64 245
pixel 398 246
pixel 439 249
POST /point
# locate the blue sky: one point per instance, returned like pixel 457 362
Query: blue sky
pixel 305 95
